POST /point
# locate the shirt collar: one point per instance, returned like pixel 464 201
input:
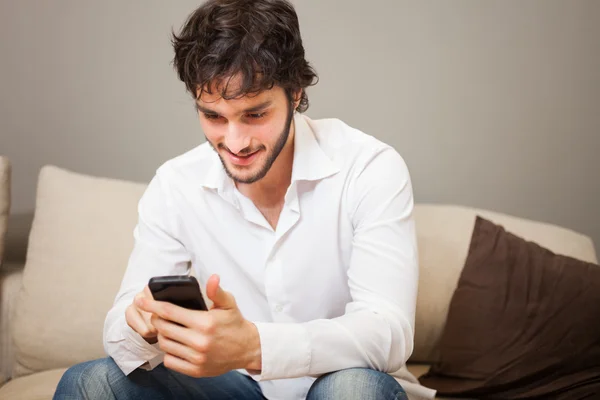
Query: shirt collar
pixel 310 161
pixel 215 176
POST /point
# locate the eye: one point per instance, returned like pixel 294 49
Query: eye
pixel 257 115
pixel 211 116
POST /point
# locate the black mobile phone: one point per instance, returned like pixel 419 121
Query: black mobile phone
pixel 181 290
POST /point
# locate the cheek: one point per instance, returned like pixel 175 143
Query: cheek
pixel 265 135
pixel 270 132
pixel 213 137
pixel 213 132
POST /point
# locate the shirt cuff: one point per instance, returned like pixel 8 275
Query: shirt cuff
pixel 285 351
pixel 144 349
pixel 155 362
pixel 133 352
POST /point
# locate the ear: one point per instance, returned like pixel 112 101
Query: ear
pixel 297 97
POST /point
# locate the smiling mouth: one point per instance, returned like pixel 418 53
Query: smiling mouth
pixel 242 159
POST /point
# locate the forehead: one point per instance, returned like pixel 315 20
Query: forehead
pixel 217 103
pixel 231 91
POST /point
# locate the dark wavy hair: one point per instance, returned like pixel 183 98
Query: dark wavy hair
pixel 257 40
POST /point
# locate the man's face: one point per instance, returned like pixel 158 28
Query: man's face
pixel 249 132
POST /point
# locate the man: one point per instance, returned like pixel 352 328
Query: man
pixel 302 231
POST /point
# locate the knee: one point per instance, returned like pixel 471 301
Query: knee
pixel 85 378
pixel 356 383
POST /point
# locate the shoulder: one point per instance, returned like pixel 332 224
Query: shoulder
pixel 355 151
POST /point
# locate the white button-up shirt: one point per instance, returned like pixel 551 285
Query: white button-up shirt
pixel 334 286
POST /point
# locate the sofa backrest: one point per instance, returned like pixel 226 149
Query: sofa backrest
pixel 444 234
pixel 4 201
pixel 79 245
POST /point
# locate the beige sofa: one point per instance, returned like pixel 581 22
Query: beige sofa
pixel 53 309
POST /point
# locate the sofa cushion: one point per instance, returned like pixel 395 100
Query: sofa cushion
pixel 40 386
pixel 4 201
pixel 444 233
pixel 80 241
pixel 523 323
pixel 420 369
pixel 11 275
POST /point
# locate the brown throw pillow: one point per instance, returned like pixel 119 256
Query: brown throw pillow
pixel 523 323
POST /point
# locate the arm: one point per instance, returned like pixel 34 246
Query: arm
pixel 155 252
pixel 377 328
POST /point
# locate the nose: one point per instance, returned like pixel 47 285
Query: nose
pixel 235 138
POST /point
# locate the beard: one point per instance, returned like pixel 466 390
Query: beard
pixel 271 157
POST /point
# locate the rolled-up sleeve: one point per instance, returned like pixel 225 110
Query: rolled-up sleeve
pixel 156 252
pixel 377 328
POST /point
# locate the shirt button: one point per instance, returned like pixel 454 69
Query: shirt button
pixel 278 308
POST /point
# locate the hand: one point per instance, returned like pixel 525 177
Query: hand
pixel 140 320
pixel 205 343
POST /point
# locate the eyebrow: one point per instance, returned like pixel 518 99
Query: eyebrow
pixel 258 107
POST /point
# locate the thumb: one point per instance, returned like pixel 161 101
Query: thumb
pixel 220 298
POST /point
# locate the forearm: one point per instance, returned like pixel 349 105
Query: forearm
pixel 358 339
pixel 158 250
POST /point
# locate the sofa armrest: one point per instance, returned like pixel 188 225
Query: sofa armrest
pixel 10 283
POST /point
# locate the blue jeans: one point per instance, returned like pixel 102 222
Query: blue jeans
pixel 102 379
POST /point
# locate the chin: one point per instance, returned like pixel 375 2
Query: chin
pixel 246 173
pixel 243 175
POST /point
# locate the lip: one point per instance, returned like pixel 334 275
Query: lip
pixel 237 160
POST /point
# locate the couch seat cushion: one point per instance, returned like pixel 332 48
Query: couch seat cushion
pixel 40 386
pixel 420 369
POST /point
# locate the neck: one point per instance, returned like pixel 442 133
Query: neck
pixel 272 188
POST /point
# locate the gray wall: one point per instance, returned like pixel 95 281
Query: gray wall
pixel 493 104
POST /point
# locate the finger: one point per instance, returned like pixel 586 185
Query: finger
pixel 136 322
pixel 174 331
pixel 147 317
pixel 220 298
pixel 147 292
pixel 180 365
pixel 145 303
pixel 180 350
pixel 170 311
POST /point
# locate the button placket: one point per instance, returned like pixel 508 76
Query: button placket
pixel 275 293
